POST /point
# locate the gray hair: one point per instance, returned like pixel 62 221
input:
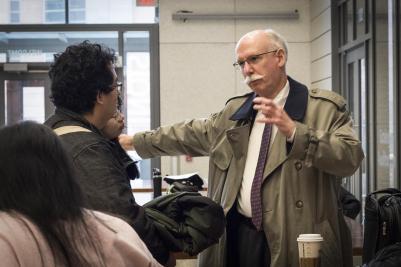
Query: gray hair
pixel 277 40
pixel 274 38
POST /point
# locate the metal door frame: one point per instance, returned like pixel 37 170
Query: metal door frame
pixel 21 76
pixel 152 28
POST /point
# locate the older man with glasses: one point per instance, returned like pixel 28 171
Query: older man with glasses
pixel 277 155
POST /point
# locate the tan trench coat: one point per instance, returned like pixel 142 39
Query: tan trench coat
pixel 301 181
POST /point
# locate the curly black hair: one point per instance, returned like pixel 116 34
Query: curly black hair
pixel 79 73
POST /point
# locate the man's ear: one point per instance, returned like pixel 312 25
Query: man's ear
pixel 282 57
pixel 100 98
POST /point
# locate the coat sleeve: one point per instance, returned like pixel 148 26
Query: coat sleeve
pixel 328 141
pixel 193 137
pixel 106 187
pixel 127 248
pixel 7 253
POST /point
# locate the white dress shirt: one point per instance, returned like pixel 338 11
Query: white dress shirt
pixel 255 140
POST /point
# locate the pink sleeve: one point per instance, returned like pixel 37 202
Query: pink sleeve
pixel 127 247
pixel 7 253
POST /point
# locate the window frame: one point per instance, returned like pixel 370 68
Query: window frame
pixel 153 30
pixel 368 40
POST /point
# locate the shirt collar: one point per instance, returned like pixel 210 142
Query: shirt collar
pixel 281 97
pixel 294 97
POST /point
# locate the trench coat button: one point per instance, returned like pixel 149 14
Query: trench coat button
pixel 299 204
pixel 298 165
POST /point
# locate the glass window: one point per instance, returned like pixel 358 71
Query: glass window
pixel 54 11
pixel 14 11
pixel 350 21
pixel 33 103
pixel 384 102
pixel 79 11
pixel 137 97
pixel 41 46
pixel 380 112
pixel 77 16
pixel 14 17
pixel 386 96
pixel 134 68
pixel 118 11
pixel 54 5
pixel 342 11
pixel 14 5
pixel 76 12
pixel 74 4
pixel 360 18
pixel 24 100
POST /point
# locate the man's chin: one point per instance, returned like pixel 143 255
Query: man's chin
pixel 254 83
pixel 255 86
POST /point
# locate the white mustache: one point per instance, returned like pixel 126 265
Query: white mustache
pixel 249 79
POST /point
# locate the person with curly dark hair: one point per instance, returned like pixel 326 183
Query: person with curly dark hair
pixel 85 91
pixel 80 74
pixel 42 219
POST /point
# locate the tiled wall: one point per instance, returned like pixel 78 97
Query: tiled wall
pixel 320 17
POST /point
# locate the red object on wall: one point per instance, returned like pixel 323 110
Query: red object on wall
pixel 145 2
pixel 188 158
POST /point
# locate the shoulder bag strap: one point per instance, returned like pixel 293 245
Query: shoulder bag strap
pixel 70 129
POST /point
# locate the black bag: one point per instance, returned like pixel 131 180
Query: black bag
pixel 190 182
pixel 187 221
pixel 389 256
pixel 382 225
pixel 350 204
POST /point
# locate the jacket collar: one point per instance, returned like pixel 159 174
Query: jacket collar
pixel 246 110
pixel 65 116
pixel 295 106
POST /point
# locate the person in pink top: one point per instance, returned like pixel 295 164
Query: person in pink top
pixel 42 222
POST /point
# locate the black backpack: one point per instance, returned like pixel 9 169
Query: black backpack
pixel 389 256
pixel 382 224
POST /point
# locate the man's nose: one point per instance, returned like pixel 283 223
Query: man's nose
pixel 247 69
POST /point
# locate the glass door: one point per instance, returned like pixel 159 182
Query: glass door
pixel 356 95
pixel 25 96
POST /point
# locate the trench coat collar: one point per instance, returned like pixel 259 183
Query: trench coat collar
pixel 295 106
pixel 245 111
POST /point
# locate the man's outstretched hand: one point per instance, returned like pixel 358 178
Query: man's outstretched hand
pixel 126 141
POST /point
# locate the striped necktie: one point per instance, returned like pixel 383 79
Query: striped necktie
pixel 256 198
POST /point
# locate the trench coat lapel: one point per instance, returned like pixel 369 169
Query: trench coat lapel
pixel 276 154
pixel 295 106
pixel 239 136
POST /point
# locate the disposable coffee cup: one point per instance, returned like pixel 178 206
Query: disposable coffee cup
pixel 308 248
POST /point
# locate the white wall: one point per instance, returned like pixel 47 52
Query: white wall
pixel 320 16
pixel 196 56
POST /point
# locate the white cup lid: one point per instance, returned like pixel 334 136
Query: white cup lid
pixel 310 238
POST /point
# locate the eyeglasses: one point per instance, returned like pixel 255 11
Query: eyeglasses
pixel 252 60
pixel 118 85
pixel 119 102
